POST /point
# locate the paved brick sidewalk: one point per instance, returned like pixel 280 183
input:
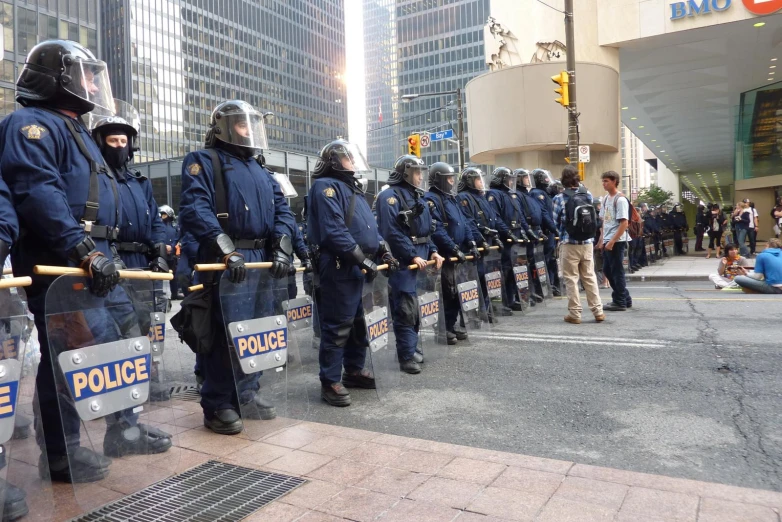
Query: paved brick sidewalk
pixel 361 476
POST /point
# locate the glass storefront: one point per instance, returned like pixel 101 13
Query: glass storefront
pixel 759 136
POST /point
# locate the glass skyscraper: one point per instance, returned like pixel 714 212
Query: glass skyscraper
pixel 25 23
pixel 175 60
pixel 438 47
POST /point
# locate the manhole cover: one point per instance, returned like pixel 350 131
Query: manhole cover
pixel 212 491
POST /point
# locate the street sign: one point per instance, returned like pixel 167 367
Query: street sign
pixel 425 141
pixel 442 135
pixel 583 153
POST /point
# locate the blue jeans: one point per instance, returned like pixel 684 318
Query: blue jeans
pixel 756 285
pixel 741 236
pixel 615 273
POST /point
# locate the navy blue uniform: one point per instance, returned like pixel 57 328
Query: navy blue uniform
pixel 188 250
pixel 343 338
pixel 257 210
pixel 533 212
pixel 452 230
pixel 550 229
pixel 171 235
pixel 48 178
pixel 140 224
pixel 9 224
pixel 406 243
pixel 299 246
pixel 508 207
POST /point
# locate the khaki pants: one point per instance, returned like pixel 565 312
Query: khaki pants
pixel 577 263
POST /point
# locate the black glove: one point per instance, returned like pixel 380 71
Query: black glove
pixel 158 261
pixel 543 236
pixel 532 235
pixel 357 257
pixel 234 261
pixel 281 257
pixel 459 255
pixel 387 258
pixel 474 252
pixel 117 259
pixel 512 237
pixel 496 241
pixel 523 237
pixel 306 262
pixel 103 271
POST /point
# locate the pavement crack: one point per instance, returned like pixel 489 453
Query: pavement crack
pixel 744 420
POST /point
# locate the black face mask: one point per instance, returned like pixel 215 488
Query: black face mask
pixel 116 157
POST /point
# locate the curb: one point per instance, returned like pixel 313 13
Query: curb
pixel 659 278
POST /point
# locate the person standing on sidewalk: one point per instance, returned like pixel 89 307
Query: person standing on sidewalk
pixel 616 215
pixel 576 222
pixel 753 228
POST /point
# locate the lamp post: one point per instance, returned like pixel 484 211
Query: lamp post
pixel 459 115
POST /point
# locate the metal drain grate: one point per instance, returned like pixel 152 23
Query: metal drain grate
pixel 185 392
pixel 213 491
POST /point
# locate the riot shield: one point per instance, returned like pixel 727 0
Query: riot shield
pixel 18 451
pixel 520 274
pixel 264 355
pixel 382 357
pixel 542 272
pixel 101 354
pixel 491 307
pixel 464 315
pixel 303 382
pixel 159 386
pixel 432 337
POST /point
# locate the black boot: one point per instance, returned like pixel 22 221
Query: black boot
pixel 256 407
pixel 461 336
pixel 14 503
pixel 362 379
pixel 84 465
pixel 224 422
pixel 516 307
pixel 335 394
pixel 410 366
pixel 555 291
pixel 121 440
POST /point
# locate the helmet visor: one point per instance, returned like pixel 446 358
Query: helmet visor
pixel 475 181
pixel 416 175
pixel 89 80
pixel 544 176
pixel 348 158
pixel 446 183
pixel 243 128
pixel 285 184
pixel 510 182
pixel 523 181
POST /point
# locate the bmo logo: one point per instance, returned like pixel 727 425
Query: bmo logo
pixel 762 7
pixel 702 7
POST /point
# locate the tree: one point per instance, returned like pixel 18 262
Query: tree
pixel 654 195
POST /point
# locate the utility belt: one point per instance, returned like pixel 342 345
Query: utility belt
pixel 514 226
pixel 419 240
pixel 138 248
pixel 100 231
pixel 249 244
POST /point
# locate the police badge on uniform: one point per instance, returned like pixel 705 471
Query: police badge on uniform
pixel 541 197
pixel 391 200
pixel 513 196
pixel 329 192
pixel 194 169
pixel 464 202
pixel 34 132
pixel 431 204
pixel 491 198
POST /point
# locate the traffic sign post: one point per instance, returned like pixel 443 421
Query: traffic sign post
pixel 583 153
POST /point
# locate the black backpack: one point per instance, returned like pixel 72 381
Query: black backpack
pixel 580 215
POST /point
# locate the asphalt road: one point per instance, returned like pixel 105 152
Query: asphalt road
pixel 688 383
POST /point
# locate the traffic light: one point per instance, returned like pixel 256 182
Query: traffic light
pixel 414 145
pixel 562 79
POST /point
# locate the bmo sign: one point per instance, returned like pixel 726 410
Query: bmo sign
pixel 700 7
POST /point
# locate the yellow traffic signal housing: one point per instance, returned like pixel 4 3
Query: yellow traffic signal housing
pixel 414 145
pixel 563 80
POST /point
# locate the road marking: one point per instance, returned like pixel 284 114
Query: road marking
pixel 776 300
pixel 565 339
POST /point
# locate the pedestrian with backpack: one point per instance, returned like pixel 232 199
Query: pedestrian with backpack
pixel 617 215
pixel 577 223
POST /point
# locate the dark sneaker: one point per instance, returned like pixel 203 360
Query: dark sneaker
pixel 335 394
pixel 460 336
pixel 361 379
pixel 418 357
pixel 254 406
pixel 14 503
pixel 224 422
pixel 410 366
pixel 121 440
pixel 84 465
pixel 516 307
pixel 613 307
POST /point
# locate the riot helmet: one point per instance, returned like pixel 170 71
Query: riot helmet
pixel 523 181
pixel 503 177
pixel 472 179
pixel 542 178
pixel 62 74
pixel 341 157
pixel 442 178
pixel 555 188
pixel 237 127
pixel 168 211
pixel 677 207
pixel 106 129
pixel 411 170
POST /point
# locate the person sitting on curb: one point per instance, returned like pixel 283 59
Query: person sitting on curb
pixel 730 266
pixel 767 278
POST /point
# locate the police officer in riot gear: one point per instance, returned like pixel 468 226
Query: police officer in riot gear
pixel 346 247
pixel 454 236
pixel 259 227
pixel 540 194
pixel 48 160
pixel 678 223
pixel 533 213
pixel 171 235
pixel 505 200
pixel 405 222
